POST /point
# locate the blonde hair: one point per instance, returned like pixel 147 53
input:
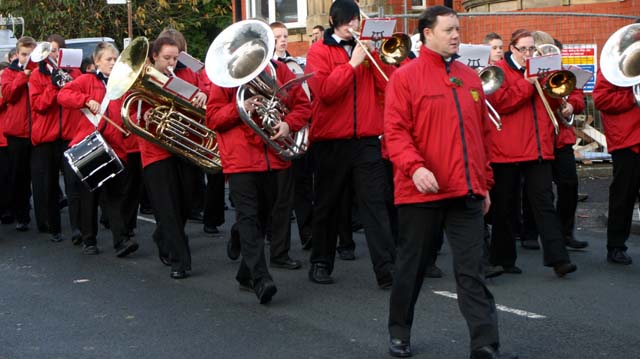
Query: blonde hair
pixel 101 47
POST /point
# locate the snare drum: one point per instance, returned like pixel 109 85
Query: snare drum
pixel 93 161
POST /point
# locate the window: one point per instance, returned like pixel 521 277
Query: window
pixel 292 13
pixel 418 4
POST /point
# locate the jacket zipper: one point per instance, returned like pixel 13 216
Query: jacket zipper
pixel 266 157
pixel 464 143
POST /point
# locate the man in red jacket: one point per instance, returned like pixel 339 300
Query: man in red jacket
pixel 437 136
pixel 621 120
pixel 252 168
pixel 346 125
pixel 17 129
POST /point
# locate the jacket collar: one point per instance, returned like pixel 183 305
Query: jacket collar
pixel 428 54
pixel 509 61
pixel 328 38
pixel 15 66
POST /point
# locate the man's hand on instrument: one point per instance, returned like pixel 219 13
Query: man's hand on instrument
pixel 200 99
pixel 531 80
pixel 251 103
pixel 283 130
pixel 94 106
pixel 357 56
pixel 567 110
pixel 425 181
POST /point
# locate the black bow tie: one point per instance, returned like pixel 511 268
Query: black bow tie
pixel 351 42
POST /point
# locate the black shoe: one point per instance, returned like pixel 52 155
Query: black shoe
pixel 90 250
pixel 126 248
pixel 573 243
pixel 400 348
pixel 265 290
pixel 530 244
pixel 619 256
pixel 56 238
pixel 233 246
pixel 306 244
pixel 564 269
pixel 196 216
pixel 131 233
pixel 346 254
pixel 179 274
pixel 76 239
pixel 146 210
pixel 433 272
pixel 7 219
pixel 493 271
pixel 488 352
pixel 582 197
pixel 286 264
pixel 22 227
pixel 512 270
pixel 246 285
pixel 210 229
pixel 319 273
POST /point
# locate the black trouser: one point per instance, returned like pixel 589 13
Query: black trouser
pixel 304 195
pixel 279 206
pixel 19 150
pixel 623 193
pixel 133 191
pixel 565 177
pixel 248 192
pixel 46 163
pixel 72 186
pixel 344 230
pixel 391 207
pixel 168 183
pixel 5 178
pixel 355 162
pixel 421 225
pixel 198 190
pixel 113 197
pixel 539 193
pixel 214 201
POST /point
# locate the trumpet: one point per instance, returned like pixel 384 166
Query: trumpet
pixel 40 53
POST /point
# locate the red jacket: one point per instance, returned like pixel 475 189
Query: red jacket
pixel 150 152
pixel 3 110
pixel 241 149
pixel 424 112
pixel 527 131
pixel 620 114
pixel 16 94
pixel 344 99
pixel 567 135
pixel 50 121
pixel 76 94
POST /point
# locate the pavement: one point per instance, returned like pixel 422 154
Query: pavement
pixel 56 302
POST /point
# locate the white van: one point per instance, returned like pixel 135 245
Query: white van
pixel 87 44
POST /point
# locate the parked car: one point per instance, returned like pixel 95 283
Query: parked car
pixel 87 44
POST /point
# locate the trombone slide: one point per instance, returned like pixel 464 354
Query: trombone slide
pixel 355 36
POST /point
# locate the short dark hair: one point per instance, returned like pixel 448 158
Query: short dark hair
pixel 429 18
pixel 490 37
pixel 177 36
pixel 26 41
pixel 277 25
pixel 58 39
pixel 86 62
pixel 342 12
pixel 319 27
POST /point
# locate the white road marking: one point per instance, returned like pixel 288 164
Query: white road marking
pixel 503 308
pixel 146 219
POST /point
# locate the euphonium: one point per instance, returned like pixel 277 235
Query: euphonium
pixel 172 123
pixel 620 59
pixel 241 57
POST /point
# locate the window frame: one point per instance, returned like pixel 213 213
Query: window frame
pixel 302 13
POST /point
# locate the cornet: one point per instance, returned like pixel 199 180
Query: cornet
pixel 40 53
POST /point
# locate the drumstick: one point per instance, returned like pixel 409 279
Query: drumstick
pixel 124 132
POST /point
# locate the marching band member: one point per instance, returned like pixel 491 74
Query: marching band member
pixel 344 135
pixel 5 215
pixel 436 131
pixel 52 129
pixel 495 41
pixel 621 121
pixel 523 147
pixel 17 130
pixel 317 33
pixel 252 169
pixel 88 91
pixel 169 178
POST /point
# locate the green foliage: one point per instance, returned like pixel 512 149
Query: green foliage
pixel 199 20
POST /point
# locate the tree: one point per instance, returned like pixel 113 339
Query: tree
pixel 199 20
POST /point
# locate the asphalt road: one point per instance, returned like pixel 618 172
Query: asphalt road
pixel 56 302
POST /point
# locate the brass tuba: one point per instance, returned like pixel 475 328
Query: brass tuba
pixel 620 59
pixel 241 57
pixel 173 122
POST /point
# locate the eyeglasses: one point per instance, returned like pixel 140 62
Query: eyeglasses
pixel 525 49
